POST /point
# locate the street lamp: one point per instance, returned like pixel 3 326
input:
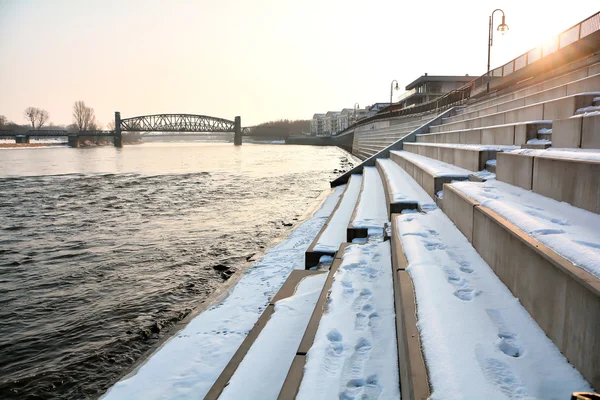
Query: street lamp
pixel 356 107
pixel 392 92
pixel 502 28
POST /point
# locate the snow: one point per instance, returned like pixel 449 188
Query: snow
pixel 543 121
pixel 588 109
pixel 440 194
pixel 403 188
pixel 586 114
pixel 572 232
pixel 371 211
pixel 335 233
pixel 491 163
pixel 478 340
pixel 485 174
pixel 478 147
pixel 434 167
pixel 187 365
pixel 596 99
pixel 545 131
pixel 354 354
pixel 573 154
pixel 539 141
pixel 272 353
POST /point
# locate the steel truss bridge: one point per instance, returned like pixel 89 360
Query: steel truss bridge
pixel 177 124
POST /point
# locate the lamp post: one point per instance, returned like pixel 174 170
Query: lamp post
pixel 392 92
pixel 502 28
pixel 356 107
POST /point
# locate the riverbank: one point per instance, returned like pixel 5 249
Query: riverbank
pixel 187 364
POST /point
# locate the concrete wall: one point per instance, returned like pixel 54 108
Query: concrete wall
pixel 515 169
pixel 564 300
pixel 574 182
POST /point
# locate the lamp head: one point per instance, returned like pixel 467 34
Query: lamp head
pixel 396 88
pixel 503 28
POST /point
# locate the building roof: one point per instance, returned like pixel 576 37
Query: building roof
pixel 318 116
pixel 439 78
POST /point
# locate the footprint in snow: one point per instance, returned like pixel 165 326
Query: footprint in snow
pixel 374 322
pixel 466 293
pixel 361 321
pixel 356 363
pixel 334 352
pixel 587 244
pixel 353 390
pixel 508 342
pixel 361 299
pixel 501 375
pixel 557 221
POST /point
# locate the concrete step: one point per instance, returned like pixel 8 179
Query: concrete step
pixel 413 371
pixel 287 290
pixel 333 233
pixel 295 374
pixel 369 211
pixel 569 176
pixel 550 282
pixel 430 174
pixel 472 157
pixel 402 191
pixel 506 134
pixel 581 132
pixel 559 108
pixel 587 84
pixel 574 78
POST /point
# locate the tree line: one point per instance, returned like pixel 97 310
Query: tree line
pixel 84 119
pixel 281 128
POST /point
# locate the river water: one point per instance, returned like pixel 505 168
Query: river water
pixel 102 250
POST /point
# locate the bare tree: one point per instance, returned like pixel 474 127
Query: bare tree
pixel 41 118
pixel 4 121
pixel 36 116
pixel 111 125
pixel 83 116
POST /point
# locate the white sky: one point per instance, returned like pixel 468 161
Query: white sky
pixel 260 59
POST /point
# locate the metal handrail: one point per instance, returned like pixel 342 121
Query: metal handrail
pixel 479 84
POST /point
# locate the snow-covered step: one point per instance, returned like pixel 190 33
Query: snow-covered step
pixel 569 175
pixel 578 131
pixel 537 144
pixel 517 133
pixel 476 338
pixel 333 233
pixel 430 174
pixel 472 157
pixel 546 252
pixel 563 107
pixel 353 352
pixel 402 191
pixel 270 346
pixel 370 211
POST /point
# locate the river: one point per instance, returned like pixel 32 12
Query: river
pixel 103 250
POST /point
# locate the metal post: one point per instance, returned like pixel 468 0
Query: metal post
pixel 237 129
pixel 118 140
pixel 391 93
pixel 490 42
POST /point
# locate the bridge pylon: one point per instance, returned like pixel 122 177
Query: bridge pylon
pixel 118 139
pixel 237 129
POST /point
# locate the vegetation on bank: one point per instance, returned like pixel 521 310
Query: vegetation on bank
pixel 84 120
pixel 281 129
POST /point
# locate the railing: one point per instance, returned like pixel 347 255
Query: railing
pixel 563 39
pixel 481 84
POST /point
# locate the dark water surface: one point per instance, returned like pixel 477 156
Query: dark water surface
pixel 103 250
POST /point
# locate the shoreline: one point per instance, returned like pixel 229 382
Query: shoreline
pixel 218 296
pixel 224 291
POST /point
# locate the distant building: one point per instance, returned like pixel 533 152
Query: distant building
pixel 375 108
pixel 333 122
pixel 317 125
pixel 429 87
